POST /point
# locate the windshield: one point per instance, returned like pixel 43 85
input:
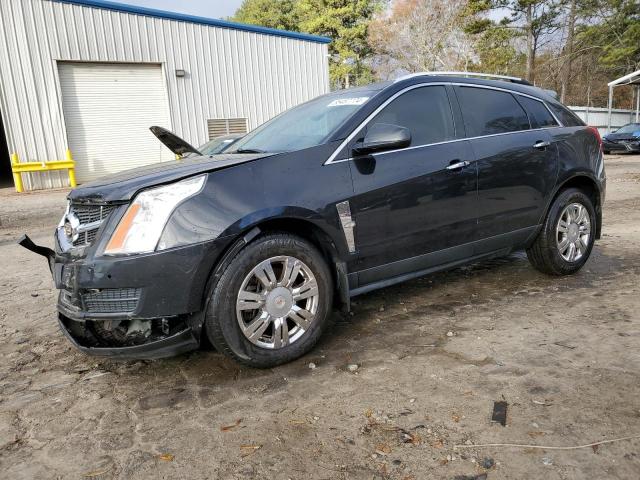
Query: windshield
pixel 631 128
pixel 218 145
pixel 304 126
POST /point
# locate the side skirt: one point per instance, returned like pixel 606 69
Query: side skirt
pixel 420 273
pixel 406 269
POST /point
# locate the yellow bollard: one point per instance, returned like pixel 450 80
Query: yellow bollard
pixel 17 177
pixel 72 170
pixel 18 168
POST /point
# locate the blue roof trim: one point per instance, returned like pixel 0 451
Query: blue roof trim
pixel 152 12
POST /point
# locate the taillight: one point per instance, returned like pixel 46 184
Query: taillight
pixel 596 134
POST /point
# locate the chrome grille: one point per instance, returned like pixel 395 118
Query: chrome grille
pixel 90 217
pixel 111 300
pixel 91 213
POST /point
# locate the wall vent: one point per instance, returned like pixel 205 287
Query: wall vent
pixel 225 126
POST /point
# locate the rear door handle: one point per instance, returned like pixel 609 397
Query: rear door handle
pixel 458 165
pixel 540 144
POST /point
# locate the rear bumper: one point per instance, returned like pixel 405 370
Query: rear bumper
pixel 181 342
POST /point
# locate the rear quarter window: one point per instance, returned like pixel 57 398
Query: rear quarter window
pixel 566 116
pixel 539 115
pixel 489 112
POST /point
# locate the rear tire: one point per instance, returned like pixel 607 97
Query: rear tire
pixel 565 242
pixel 272 302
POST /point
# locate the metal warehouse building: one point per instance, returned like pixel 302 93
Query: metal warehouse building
pixel 92 76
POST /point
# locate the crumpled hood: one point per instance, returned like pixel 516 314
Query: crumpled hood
pixel 621 136
pixel 124 185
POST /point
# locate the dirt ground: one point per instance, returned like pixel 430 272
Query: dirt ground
pixel 433 355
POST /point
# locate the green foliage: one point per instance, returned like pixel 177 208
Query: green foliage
pixel 617 36
pixel 279 14
pixel 496 52
pixel 493 41
pixel 346 22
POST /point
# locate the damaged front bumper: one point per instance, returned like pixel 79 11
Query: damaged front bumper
pixel 137 307
pixel 169 346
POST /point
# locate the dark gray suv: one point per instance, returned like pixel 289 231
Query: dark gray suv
pixel 347 193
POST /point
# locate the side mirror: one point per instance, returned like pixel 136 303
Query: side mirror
pixel 383 136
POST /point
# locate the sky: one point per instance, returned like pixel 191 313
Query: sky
pixel 215 8
pixel 202 8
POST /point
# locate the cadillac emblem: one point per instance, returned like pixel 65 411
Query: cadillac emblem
pixel 71 227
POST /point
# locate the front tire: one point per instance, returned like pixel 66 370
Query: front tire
pixel 272 303
pixel 565 242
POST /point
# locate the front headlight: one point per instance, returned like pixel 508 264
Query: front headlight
pixel 141 226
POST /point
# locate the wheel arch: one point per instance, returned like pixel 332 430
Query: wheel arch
pixel 303 227
pixel 590 187
pixel 322 240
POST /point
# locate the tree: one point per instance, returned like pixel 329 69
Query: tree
pixel 533 20
pixel 346 22
pixel 494 45
pixel 616 35
pixel 597 45
pixel 420 35
pixel 568 48
pixel 279 14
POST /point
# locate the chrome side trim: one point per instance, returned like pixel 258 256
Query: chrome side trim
pixel 449 141
pixel 347 223
pixel 335 153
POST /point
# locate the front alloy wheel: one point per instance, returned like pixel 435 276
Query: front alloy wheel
pixel 272 301
pixel 277 302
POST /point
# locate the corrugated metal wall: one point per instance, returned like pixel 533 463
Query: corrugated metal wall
pixel 597 117
pixel 230 73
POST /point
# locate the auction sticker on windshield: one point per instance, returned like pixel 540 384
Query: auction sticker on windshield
pixel 348 101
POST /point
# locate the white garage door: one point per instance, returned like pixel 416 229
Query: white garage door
pixel 108 109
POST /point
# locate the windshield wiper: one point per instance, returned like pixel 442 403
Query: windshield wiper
pixel 249 150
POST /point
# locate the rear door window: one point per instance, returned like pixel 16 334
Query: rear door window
pixel 488 112
pixel 425 111
pixel 539 115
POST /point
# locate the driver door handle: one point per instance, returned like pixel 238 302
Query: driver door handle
pixel 458 165
pixel 540 144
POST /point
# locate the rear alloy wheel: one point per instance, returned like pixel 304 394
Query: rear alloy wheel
pixel 566 239
pixel 272 302
pixel 573 232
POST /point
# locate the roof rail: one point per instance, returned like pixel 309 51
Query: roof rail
pixel 466 74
